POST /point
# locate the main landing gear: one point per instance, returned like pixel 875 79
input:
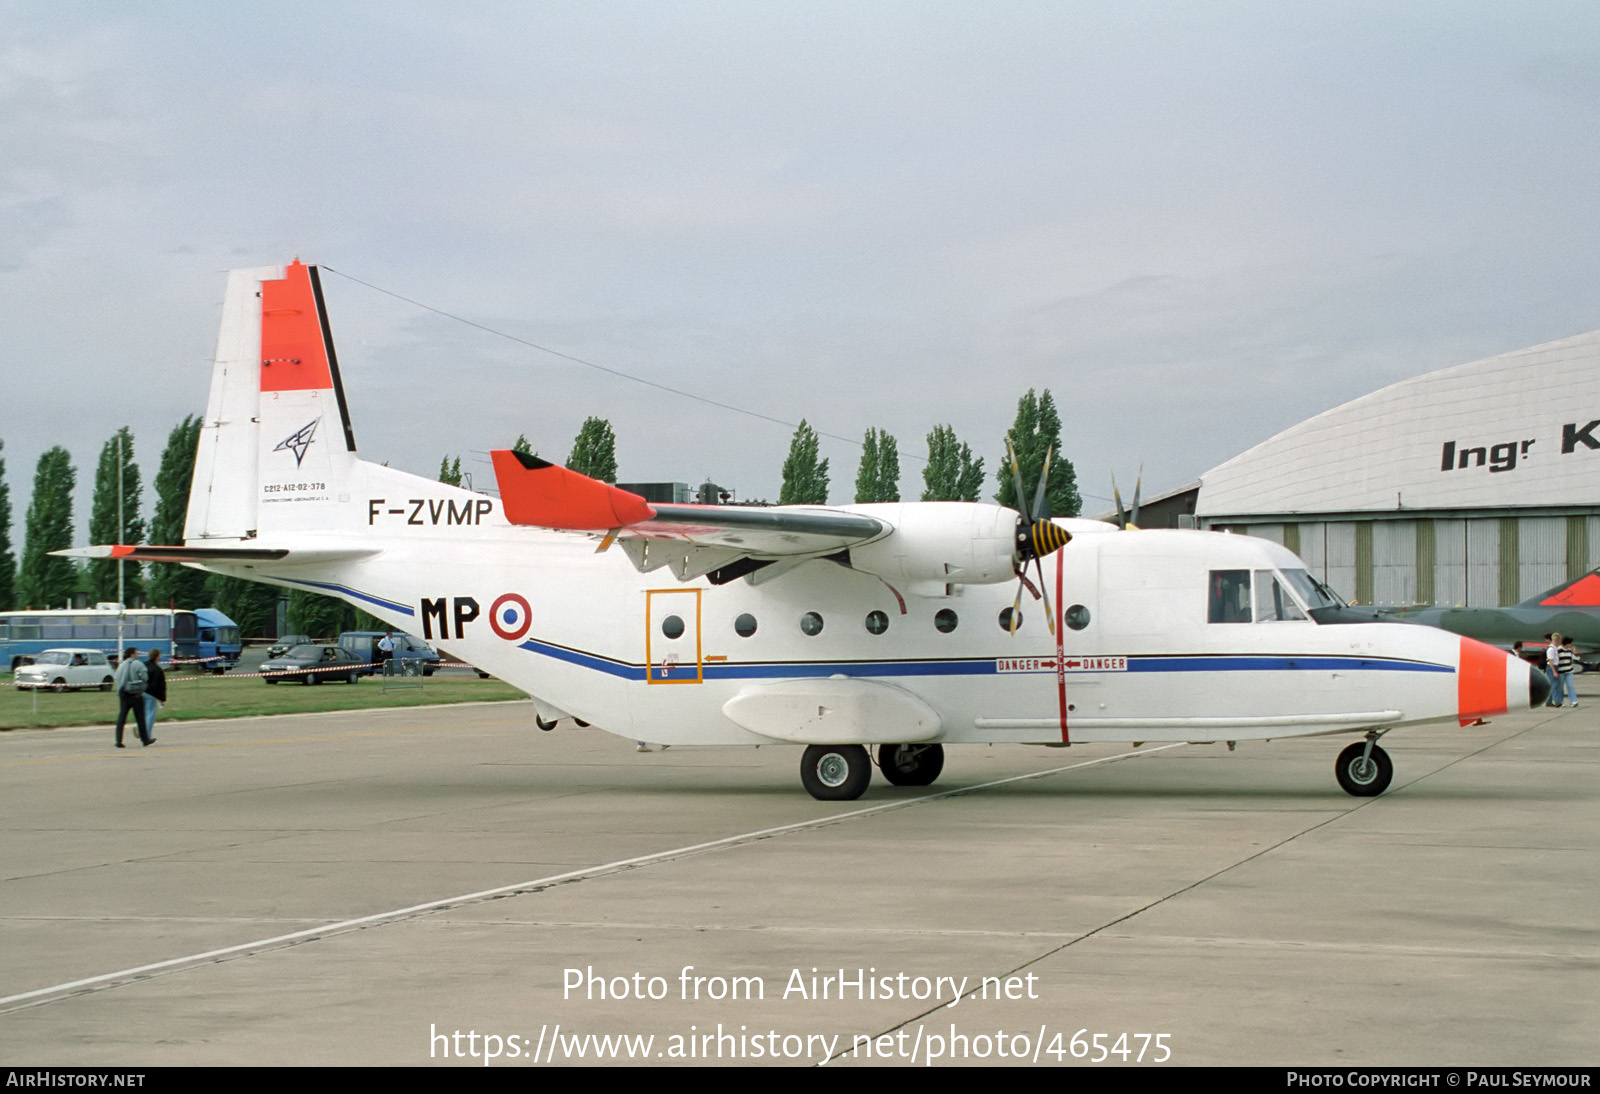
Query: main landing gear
pixel 1364 769
pixel 840 773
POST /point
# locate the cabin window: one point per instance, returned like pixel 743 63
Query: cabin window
pixel 811 623
pixel 945 620
pixel 1273 602
pixel 672 627
pixel 877 622
pixel 1005 620
pixel 745 625
pixel 1230 597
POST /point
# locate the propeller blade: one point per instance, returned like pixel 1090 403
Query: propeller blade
pixel 1049 616
pixel 1016 476
pixel 1041 499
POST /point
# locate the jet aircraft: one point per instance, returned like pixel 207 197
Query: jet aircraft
pixel 895 627
pixel 1571 609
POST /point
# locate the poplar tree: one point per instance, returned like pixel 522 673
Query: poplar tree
pixel 805 477
pixel 952 474
pixel 1038 428
pixel 449 472
pixel 8 560
pixel 46 582
pixel 172 584
pixel 104 527
pixel 254 607
pixel 878 478
pixel 594 451
pixel 523 445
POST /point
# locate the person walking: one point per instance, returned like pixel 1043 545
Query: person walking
pixel 1566 667
pixel 130 681
pixel 155 693
pixel 1552 657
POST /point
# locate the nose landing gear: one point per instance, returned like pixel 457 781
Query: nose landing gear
pixel 1364 769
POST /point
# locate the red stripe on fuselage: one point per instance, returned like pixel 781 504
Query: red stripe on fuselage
pixel 293 357
pixel 1480 681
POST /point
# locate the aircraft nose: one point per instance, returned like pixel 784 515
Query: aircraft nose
pixel 1538 686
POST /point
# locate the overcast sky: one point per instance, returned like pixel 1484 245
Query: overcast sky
pixel 1196 224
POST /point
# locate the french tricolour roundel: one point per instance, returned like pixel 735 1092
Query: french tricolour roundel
pixel 510 617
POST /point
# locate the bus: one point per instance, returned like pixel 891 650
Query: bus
pixel 204 637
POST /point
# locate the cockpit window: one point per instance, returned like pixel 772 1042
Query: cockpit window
pixel 1230 597
pixel 1313 592
pixel 1273 602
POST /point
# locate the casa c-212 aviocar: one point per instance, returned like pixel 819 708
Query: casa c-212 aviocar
pixel 893 629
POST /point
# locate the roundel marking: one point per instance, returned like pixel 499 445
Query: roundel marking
pixel 510 617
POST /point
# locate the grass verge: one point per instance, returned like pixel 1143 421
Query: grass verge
pixel 241 697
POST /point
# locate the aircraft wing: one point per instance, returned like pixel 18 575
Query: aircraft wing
pixel 723 541
pixel 144 552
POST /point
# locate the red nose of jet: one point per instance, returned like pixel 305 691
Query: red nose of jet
pixel 1490 681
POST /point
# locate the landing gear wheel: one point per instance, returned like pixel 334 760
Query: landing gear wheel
pixel 1365 778
pixel 835 773
pixel 544 725
pixel 911 765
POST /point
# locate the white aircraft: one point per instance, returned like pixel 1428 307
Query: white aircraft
pixel 832 627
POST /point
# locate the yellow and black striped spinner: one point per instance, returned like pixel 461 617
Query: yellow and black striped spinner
pixel 1041 538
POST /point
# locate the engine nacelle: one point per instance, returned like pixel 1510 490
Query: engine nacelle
pixel 939 543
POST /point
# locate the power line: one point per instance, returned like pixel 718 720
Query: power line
pixel 591 364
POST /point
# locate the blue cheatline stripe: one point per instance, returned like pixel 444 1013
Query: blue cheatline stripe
pixel 357 593
pixel 789 670
pixel 1278 663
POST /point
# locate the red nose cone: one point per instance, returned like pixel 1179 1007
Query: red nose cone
pixel 1482 678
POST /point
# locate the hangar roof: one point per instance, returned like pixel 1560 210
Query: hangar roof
pixel 1518 430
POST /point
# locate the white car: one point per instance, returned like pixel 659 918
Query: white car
pixel 67 669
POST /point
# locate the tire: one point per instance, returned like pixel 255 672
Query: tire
pixel 1364 779
pixel 58 685
pixel 271 679
pixel 544 725
pixel 351 678
pixel 105 685
pixel 911 765
pixel 835 773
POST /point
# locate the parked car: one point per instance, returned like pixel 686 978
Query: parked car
pixel 312 664
pixel 287 643
pixel 407 647
pixel 67 670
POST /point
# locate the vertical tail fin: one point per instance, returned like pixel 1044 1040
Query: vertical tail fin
pixel 276 442
pixel 1581 592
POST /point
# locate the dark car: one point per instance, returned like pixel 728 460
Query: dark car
pixel 407 647
pixel 312 664
pixel 287 643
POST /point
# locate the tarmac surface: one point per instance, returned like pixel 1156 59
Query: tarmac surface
pixel 359 888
